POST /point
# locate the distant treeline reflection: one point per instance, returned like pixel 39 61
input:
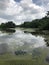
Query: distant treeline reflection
pixel 8 30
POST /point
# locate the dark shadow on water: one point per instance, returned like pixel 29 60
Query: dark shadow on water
pixel 47 59
pixel 34 33
pixel 47 42
pixel 20 52
pixel 38 32
pixel 7 30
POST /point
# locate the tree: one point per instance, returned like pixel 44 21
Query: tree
pixel 9 24
pixel 47 13
pixel 42 24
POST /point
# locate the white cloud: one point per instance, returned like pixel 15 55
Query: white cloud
pixel 13 8
pixel 2 20
pixel 3 4
pixel 24 10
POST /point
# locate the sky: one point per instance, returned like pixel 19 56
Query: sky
pixel 19 11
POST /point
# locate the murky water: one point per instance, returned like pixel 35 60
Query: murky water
pixel 20 40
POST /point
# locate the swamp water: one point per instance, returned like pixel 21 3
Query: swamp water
pixel 33 45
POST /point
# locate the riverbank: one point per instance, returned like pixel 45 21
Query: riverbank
pixel 34 31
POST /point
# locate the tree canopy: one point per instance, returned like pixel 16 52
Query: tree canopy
pixel 42 24
pixel 9 24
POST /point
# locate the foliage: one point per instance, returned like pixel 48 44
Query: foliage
pixel 9 24
pixel 42 24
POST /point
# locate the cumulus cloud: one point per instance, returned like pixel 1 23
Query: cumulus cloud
pixel 22 10
pixel 2 20
pixel 43 3
pixel 3 4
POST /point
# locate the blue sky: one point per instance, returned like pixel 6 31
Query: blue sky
pixel 17 0
pixel 22 10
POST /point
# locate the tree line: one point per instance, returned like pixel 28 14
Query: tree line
pixel 42 24
pixel 9 24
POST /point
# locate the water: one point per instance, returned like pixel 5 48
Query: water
pixel 24 46
pixel 20 41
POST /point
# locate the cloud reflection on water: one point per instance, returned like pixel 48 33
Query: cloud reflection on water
pixel 21 40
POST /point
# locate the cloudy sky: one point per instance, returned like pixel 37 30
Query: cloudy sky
pixel 22 10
